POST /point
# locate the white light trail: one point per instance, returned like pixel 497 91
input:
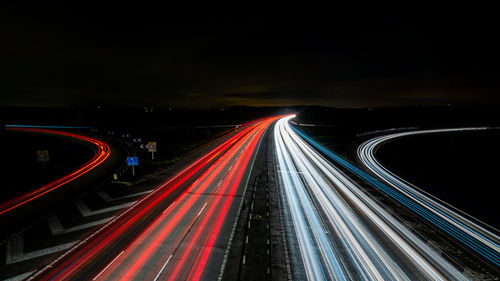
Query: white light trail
pixel 342 233
pixel 458 224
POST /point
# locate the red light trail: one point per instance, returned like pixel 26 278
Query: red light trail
pixel 176 231
pixel 102 154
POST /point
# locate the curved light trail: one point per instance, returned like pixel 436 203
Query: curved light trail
pixel 177 232
pixel 342 233
pixel 459 225
pixel 101 155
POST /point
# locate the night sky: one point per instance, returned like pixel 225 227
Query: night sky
pixel 193 56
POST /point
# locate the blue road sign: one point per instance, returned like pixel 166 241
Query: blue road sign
pixel 132 161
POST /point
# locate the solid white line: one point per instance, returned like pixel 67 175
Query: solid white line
pixel 108 265
pixel 163 267
pixel 87 212
pixel 105 196
pixel 121 215
pixel 56 228
pixel 168 208
pixel 371 259
pixel 226 254
pixel 202 209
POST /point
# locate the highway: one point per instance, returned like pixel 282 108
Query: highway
pixel 102 153
pixel 341 232
pixel 180 231
pixel 468 230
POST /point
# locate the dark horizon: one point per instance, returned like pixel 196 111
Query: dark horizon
pixel 172 56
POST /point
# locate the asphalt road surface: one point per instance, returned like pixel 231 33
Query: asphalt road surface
pixel 342 233
pixel 179 231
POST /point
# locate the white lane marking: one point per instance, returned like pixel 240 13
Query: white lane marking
pixel 162 268
pixel 102 271
pixel 157 189
pixel 426 260
pixel 15 250
pixel 202 209
pixel 107 198
pixel 293 172
pixel 86 212
pixel 235 223
pixel 56 227
pixel 168 208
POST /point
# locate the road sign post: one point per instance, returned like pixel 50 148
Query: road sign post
pixel 133 161
pixel 43 156
pixel 152 149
